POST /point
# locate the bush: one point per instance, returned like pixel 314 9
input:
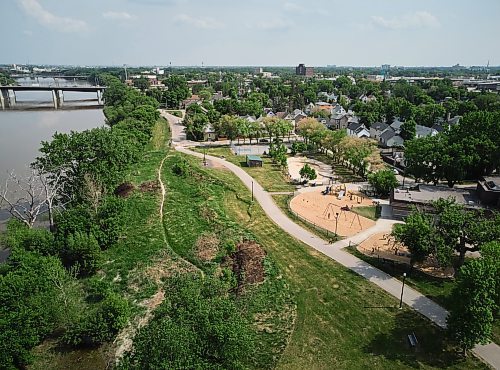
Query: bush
pixel 101 325
pixel 298 147
pixel 19 235
pixel 307 172
pixel 181 167
pixel 82 251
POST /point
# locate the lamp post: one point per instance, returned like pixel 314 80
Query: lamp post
pixel 402 290
pixel 336 222
pixel 252 191
pixel 204 156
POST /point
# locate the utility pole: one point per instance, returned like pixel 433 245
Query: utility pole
pixel 125 68
pixel 402 290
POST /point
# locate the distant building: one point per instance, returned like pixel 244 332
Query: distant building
pixel 257 71
pixel 254 161
pixel 302 70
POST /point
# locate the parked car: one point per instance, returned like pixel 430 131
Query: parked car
pixel 263 141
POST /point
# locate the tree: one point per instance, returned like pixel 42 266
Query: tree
pixel 82 252
pixel 142 83
pixel 408 130
pixel 227 126
pixel 307 172
pixel 308 127
pixel 475 302
pixel 384 181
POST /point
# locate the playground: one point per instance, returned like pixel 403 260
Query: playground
pixel 330 208
pixel 385 247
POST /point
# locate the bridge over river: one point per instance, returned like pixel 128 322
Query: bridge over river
pixel 8 94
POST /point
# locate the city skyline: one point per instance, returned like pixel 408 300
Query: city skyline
pixel 254 33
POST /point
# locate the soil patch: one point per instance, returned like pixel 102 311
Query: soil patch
pixel 124 190
pixel 149 186
pixel 248 264
pixel 207 247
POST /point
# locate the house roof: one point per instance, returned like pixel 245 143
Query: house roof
pixel 438 127
pixel 396 124
pixel 454 120
pixel 379 126
pixel 423 131
pixel 387 134
pixel 353 126
pixel 281 115
pixel 396 141
pixel 353 119
pixel 208 129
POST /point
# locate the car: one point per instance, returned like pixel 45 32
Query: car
pixel 396 172
pixel 263 141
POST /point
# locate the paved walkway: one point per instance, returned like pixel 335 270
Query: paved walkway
pixel 490 353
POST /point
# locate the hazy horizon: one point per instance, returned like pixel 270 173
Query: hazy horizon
pixel 423 33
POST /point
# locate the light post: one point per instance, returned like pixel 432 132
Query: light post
pixel 204 156
pixel 252 191
pixel 336 222
pixel 402 290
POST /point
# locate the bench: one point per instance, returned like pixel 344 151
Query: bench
pixel 412 339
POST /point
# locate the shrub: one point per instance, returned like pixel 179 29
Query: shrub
pixel 19 235
pixel 181 167
pixel 83 252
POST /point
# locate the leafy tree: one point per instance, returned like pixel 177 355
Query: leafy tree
pixel 408 130
pixel 195 125
pixel 19 235
pixel 142 83
pixel 82 251
pixel 475 302
pixel 307 172
pixel 309 127
pixel 384 181
pixel 298 147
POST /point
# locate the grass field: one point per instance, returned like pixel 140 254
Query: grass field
pixel 343 321
pixel 370 212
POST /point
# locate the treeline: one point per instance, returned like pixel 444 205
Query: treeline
pixel 467 150
pixel 41 286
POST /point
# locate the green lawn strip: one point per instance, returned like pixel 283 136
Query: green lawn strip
pixel 370 212
pixel 282 201
pixel 343 321
pixel 194 207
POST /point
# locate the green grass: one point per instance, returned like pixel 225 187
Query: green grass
pixel 371 212
pixel 282 201
pixel 270 175
pixel 343 322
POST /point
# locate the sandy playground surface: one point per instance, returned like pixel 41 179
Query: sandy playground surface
pixel 321 210
pixel 383 245
pixel 323 171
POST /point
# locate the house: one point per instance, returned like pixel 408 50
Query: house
pixel 390 138
pixel 423 131
pixel 253 161
pixel 488 191
pixel 357 129
pixel 194 99
pixel 328 97
pixel 209 133
pixel 338 121
pixel 337 109
pixel 323 106
pixel 396 124
pixel 367 98
pixel 376 129
pixel 217 96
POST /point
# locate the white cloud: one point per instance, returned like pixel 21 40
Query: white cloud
pixel 414 20
pixel 118 16
pixel 275 24
pixel 206 23
pixel 63 24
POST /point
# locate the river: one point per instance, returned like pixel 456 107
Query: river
pixel 22 131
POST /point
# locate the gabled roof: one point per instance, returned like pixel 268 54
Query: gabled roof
pixel 396 123
pixel 353 126
pixel 396 140
pixel 379 126
pixel 281 115
pixel 454 120
pixel 423 131
pixel 208 129
pixel 353 119
pixel 438 127
pixel 387 134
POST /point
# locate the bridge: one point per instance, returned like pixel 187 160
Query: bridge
pixel 8 93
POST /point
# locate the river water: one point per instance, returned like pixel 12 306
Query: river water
pixel 21 131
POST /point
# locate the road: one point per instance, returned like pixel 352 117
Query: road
pixel 490 353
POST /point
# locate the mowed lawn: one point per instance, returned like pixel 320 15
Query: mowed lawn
pixel 343 321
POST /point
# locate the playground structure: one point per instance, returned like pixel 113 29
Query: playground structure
pixel 386 248
pixel 332 209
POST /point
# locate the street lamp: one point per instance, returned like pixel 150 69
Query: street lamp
pixel 402 289
pixel 252 191
pixel 204 156
pixel 336 222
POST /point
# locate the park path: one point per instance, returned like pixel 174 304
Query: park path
pixel 489 353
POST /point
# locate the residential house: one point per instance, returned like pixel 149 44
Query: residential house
pixel 423 131
pixel 396 124
pixel 376 130
pixel 194 99
pixel 327 96
pixel 337 109
pixel 338 121
pixel 321 105
pixel 390 138
pixel 209 133
pixel 367 98
pixel 358 129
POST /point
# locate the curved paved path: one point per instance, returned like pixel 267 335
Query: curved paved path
pixel 490 353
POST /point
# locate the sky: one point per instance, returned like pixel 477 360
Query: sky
pixel 250 32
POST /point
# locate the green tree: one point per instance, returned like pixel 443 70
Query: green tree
pixel 475 302
pixel 307 172
pixel 383 181
pixel 142 83
pixel 408 130
pixel 82 252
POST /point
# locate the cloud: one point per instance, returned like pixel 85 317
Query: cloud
pixel 63 24
pixel 414 20
pixel 206 23
pixel 118 16
pixel 275 24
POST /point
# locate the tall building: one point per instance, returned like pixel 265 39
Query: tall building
pixel 302 70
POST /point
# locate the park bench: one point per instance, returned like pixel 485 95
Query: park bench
pixel 412 339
